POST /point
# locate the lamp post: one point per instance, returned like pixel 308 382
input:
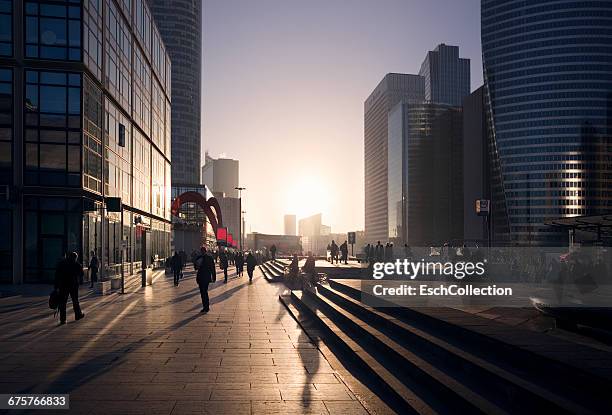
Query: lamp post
pixel 240 189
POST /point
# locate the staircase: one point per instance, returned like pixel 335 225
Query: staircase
pixel 421 364
pixel 273 270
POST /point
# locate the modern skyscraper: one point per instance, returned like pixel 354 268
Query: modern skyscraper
pixel 447 76
pixel 392 89
pixel 290 225
pixel 425 174
pixel 547 75
pixel 476 173
pixel 84 117
pixel 180 24
pixel 222 175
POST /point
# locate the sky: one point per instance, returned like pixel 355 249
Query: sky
pixel 284 83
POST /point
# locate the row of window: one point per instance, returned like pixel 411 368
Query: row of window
pixel 545 45
pixel 550 87
pixel 520 56
pixel 561 166
pixel 582 113
pixel 558 149
pixel 526 21
pixel 560 193
pixel 503 67
pixel 542 135
pixel 585 123
pixel 523 73
pixel 520 28
pixel 502 10
pixel 556 202
pixel 559 99
pixel 53 31
pixel 6 125
pixel 513 85
pixel 555 213
pixel 556 185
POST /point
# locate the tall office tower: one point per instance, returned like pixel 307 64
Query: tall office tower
pixel 392 89
pixel 290 225
pixel 547 77
pixel 84 117
pixel 476 173
pixel 180 24
pixel 447 76
pixel 425 189
pixel 221 175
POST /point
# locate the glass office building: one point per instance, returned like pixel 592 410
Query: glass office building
pixel 548 77
pixel 447 76
pixel 425 189
pixel 84 116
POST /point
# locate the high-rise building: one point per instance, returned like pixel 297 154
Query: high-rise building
pixel 221 175
pixel 392 89
pixel 230 209
pixel 547 77
pixel 476 173
pixel 180 25
pixel 84 117
pixel 290 225
pixel 425 198
pixel 447 76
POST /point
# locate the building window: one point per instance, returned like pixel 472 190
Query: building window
pixel 92 137
pixel 53 30
pixel 6 125
pixel 6 28
pixel 53 129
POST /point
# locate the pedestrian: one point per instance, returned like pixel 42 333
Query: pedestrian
pixel 273 251
pixel 177 266
pixel 223 264
pixel 239 260
pixel 379 252
pixel 206 273
pixel 251 263
pixel 344 251
pixel 67 275
pixel 94 267
pixel 334 251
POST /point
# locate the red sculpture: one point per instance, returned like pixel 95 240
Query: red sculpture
pixel 216 219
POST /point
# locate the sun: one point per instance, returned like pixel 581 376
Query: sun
pixel 308 195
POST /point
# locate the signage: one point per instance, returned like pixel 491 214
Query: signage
pixel 352 237
pixel 221 234
pixel 483 207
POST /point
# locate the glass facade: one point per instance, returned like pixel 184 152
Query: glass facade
pixel 548 81
pixel 96 124
pixel 425 191
pixel 447 76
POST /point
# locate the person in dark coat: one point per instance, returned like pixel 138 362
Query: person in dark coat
pixel 239 261
pixel 251 263
pixel 206 273
pixel 68 273
pixel 273 251
pixel 94 267
pixel 344 251
pixel 224 265
pixel 177 267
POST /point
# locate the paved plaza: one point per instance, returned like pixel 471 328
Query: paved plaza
pixel 152 351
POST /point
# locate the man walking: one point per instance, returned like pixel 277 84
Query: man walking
pixel 224 264
pixel 94 267
pixel 67 275
pixel 177 266
pixel 273 251
pixel 205 265
pixel 251 263
pixel 344 251
pixel 239 261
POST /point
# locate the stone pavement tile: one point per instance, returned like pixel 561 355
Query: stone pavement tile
pixel 198 377
pixel 100 392
pixel 284 378
pixel 211 408
pixel 133 408
pixel 253 377
pixel 345 407
pixel 152 393
pixel 290 407
pixel 268 394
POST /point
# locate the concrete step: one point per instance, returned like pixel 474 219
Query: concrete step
pixel 397 395
pixel 511 349
pixel 431 383
pixel 270 272
pixel 501 388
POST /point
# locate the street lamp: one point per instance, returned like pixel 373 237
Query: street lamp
pixel 240 189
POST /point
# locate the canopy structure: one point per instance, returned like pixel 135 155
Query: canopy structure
pixel 600 224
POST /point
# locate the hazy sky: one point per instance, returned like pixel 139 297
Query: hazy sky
pixel 284 86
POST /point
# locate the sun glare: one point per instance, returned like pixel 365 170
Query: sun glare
pixel 309 195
